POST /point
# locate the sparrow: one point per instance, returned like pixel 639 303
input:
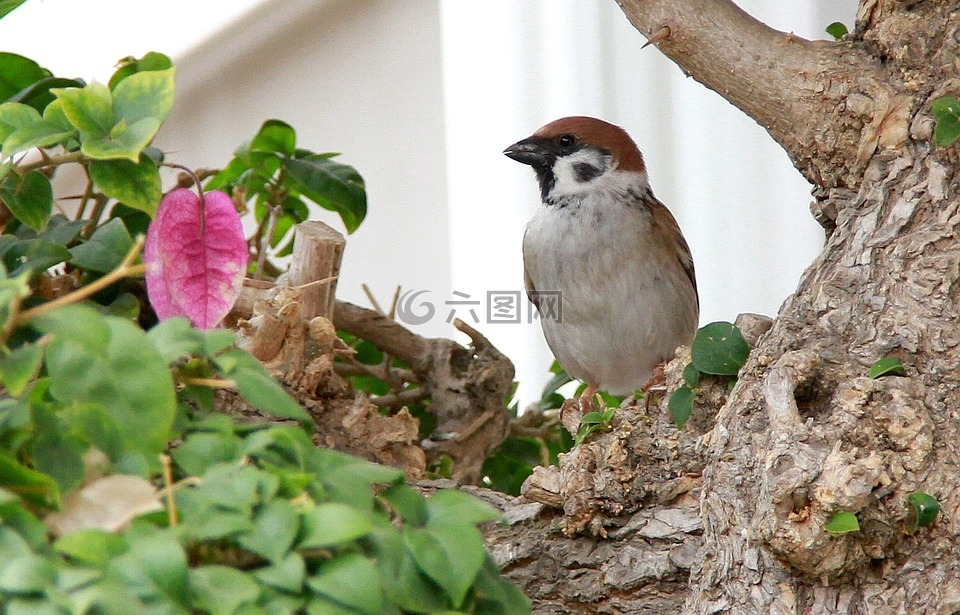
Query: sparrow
pixel 609 252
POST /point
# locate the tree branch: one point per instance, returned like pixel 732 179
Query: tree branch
pixel 389 335
pixel 830 105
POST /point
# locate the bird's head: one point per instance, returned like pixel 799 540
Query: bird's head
pixel 575 155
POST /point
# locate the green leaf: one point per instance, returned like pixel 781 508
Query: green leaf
pixel 680 405
pixel 34 487
pixel 238 487
pixel 275 528
pixel 144 95
pixel 495 594
pixel 8 5
pixel 162 560
pixel 94 423
pixel 126 305
pixel 215 341
pixel 94 547
pixel 691 375
pixel 16 71
pixel 33 255
pixel 258 388
pixel 234 170
pixel 105 249
pixel 592 418
pixel 407 503
pixel 28 527
pixel 275 137
pixel 549 398
pixel 286 446
pixel 20 367
pixel 719 348
pixel 403 582
pixel 286 575
pixel 947 111
pixel 12 544
pixel 136 221
pixel 449 553
pixel 513 461
pixel 843 522
pixel 88 109
pixel 200 451
pixel 351 581
pixel 221 590
pixel 330 184
pixel 592 421
pixel 78 323
pixel 204 520
pixel 136 184
pixel 28 574
pixel 129 66
pixel 924 508
pixel 332 524
pixel 452 506
pixel 38 94
pixel 12 292
pixel 14 116
pixel 176 339
pixel 29 198
pixel 347 479
pixel 123 371
pixel 837 30
pixel 37 134
pixel 125 141
pixel 53 114
pixel 887 366
pixel 55 451
pixel 62 231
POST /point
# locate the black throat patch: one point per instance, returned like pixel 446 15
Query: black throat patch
pixel 546 179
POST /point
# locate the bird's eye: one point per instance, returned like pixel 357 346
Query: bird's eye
pixel 567 141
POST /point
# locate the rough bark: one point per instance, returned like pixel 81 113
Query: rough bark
pixel 805 433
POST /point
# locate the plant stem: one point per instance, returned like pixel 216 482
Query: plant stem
pixel 124 270
pixel 213 383
pixel 168 488
pixel 272 216
pixel 52 161
pixel 99 205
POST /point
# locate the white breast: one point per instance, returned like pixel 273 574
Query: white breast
pixel 621 303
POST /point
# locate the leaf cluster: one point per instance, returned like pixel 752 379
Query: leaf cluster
pixel 946 110
pixel 278 178
pixel 922 510
pixel 718 349
pixel 237 518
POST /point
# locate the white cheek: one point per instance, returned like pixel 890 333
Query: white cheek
pixel 564 169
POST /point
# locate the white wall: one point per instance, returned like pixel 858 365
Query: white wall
pixel 360 77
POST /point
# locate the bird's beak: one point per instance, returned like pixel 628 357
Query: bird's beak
pixel 529 151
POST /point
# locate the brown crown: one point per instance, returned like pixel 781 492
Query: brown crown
pixel 591 131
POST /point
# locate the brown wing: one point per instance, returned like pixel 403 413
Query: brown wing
pixel 686 261
pixel 670 232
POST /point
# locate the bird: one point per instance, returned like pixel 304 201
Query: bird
pixel 612 255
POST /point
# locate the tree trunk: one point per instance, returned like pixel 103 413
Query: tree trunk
pixel 805 433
